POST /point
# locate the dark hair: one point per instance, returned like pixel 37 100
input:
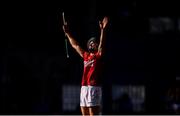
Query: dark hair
pixel 91 39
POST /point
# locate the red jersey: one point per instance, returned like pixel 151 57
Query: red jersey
pixel 92 69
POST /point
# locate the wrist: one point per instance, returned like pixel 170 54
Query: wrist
pixel 102 29
pixel 67 33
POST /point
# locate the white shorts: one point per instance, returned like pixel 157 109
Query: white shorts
pixel 90 96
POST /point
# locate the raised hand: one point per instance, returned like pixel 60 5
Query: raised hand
pixel 103 23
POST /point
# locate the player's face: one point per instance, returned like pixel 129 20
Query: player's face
pixel 93 46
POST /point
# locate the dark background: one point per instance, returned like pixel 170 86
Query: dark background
pixel 34 64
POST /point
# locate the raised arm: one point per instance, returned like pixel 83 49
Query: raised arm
pixel 72 41
pixel 102 25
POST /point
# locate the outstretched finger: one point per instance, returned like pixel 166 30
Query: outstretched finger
pixel 100 24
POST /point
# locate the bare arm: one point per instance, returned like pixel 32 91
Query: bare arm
pixel 102 25
pixel 72 41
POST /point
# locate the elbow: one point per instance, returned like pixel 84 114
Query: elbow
pixel 75 46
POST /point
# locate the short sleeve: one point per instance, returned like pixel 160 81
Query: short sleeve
pixel 98 55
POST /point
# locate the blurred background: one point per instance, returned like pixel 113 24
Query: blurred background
pixel 141 71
